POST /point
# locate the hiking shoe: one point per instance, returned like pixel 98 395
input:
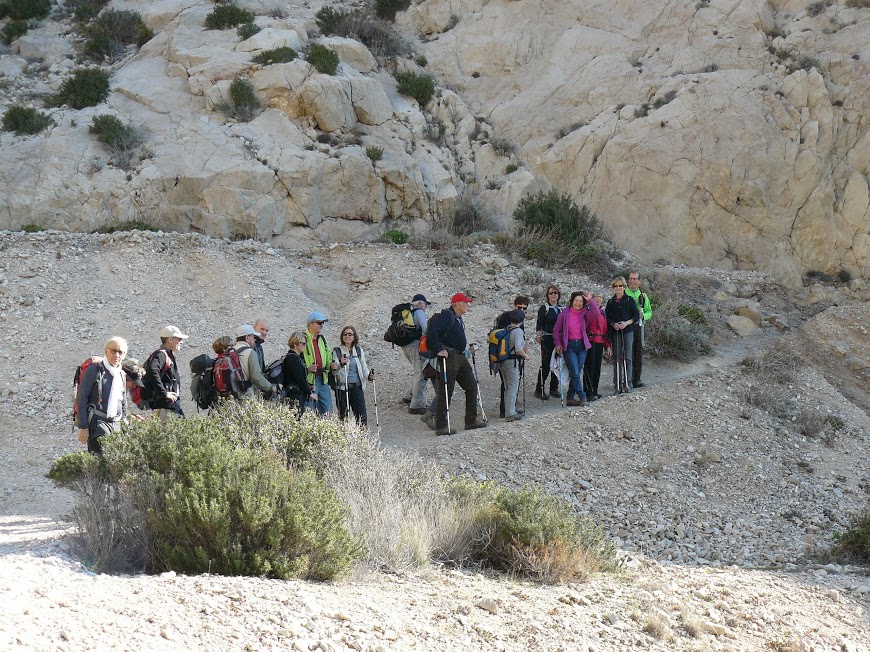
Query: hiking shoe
pixel 429 420
pixel 574 402
pixel 545 397
pixel 406 400
pixel 555 394
pixel 476 425
pixel 539 393
pixel 444 431
pixel 419 410
pixel 592 397
pixel 514 417
pixel 636 385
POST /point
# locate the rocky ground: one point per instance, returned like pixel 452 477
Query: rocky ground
pixel 723 510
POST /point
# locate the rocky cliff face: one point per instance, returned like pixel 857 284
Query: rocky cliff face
pixel 717 132
pixel 726 133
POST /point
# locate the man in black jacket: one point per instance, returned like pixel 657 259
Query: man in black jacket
pixel 445 337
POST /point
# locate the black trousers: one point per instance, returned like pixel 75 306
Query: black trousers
pixel 547 347
pixel 458 371
pixel 592 368
pixel 357 404
pixel 97 429
pixel 637 355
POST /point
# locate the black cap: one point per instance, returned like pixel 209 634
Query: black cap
pixel 420 297
pixel 517 316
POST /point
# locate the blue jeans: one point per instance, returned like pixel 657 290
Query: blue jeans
pixel 575 356
pixel 323 404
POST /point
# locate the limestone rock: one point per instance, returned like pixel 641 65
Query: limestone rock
pixel 269 39
pixel 750 312
pixel 370 102
pixel 325 99
pixel 351 52
pixel 12 66
pixel 743 326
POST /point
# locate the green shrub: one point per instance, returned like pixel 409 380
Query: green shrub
pixel 243 100
pixel 13 30
pixel 421 61
pixel 322 58
pixel 553 230
pixel 694 314
pixel 677 331
pixel 133 225
pixel 225 16
pixel 377 35
pixel 84 10
pixel 32 228
pixel 816 8
pixel 227 501
pixel 435 131
pixel 121 139
pixel 25 9
pixel 277 55
pixel 396 237
pixel 25 120
pixel 102 46
pixel 853 544
pixel 109 33
pixel 858 4
pixel 72 467
pixel 503 147
pixel 374 153
pixel 87 87
pixel 247 30
pixel 420 87
pixel 387 9
pixel 143 35
pixel 511 168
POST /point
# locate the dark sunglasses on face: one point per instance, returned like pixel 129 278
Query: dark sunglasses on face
pixel 320 323
pixel 523 308
pixel 619 285
pixel 347 334
pixel 553 292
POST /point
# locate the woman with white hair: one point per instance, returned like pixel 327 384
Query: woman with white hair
pixel 101 397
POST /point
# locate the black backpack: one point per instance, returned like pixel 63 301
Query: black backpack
pixel 402 330
pixel 202 387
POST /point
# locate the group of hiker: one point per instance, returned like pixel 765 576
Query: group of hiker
pixel 574 339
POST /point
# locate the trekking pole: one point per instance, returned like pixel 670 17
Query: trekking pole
pixel 624 363
pixel 523 376
pixel 543 381
pixel 477 382
pixel 375 390
pixel 561 384
pixel 446 397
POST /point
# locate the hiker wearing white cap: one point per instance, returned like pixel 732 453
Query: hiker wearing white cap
pixel 252 369
pixel 318 362
pixel 161 373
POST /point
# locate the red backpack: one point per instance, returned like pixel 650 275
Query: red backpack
pixel 80 371
pixel 226 368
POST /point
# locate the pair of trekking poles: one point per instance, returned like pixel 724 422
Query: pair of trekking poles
pixel 477 384
pixel 374 392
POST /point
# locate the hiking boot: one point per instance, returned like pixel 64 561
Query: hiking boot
pixel 406 400
pixel 419 410
pixel 444 431
pixel 429 420
pixel 555 393
pixel 476 425
pixel 574 402
pixel 514 417
pixel 636 385
pixel 592 397
pixel 539 393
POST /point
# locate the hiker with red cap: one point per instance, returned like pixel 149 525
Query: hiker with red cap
pixel 446 340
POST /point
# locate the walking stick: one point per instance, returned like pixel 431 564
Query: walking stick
pixel 561 384
pixel 477 382
pixel 375 390
pixel 624 362
pixel 446 397
pixel 616 361
pixel 543 380
pixel 523 377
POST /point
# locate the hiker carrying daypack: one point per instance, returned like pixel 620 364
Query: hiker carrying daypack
pixel 229 377
pixel 402 330
pixel 202 385
pixel 499 350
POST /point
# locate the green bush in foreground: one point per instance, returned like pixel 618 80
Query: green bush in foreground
pixel 87 87
pixel 112 31
pixel 322 58
pixel 247 30
pixel 243 100
pixel 420 87
pixel 13 29
pixel 25 120
pixel 72 467
pixel 225 16
pixel 32 228
pixel 396 236
pixel 677 331
pixel 277 55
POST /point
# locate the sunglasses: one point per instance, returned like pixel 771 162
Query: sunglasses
pixel 552 292
pixel 619 286
pixel 347 334
pixel 118 351
pixel 320 323
pixel 524 308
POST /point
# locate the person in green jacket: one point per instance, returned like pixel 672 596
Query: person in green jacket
pixel 318 362
pixel 643 304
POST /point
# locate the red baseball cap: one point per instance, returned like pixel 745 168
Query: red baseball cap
pixel 460 297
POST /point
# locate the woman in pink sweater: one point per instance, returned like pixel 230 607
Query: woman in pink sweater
pixel 572 341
